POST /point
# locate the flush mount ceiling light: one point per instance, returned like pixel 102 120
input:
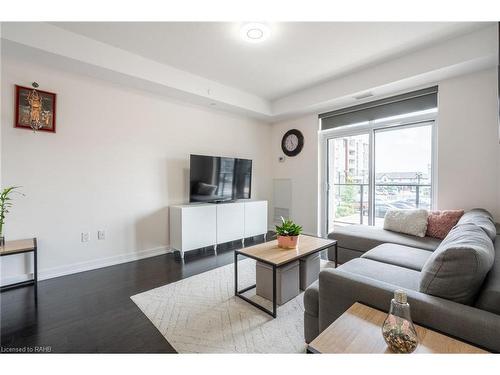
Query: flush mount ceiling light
pixel 254 32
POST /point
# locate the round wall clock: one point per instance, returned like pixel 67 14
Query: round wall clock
pixel 292 142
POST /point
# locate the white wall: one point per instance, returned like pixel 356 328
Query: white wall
pixel 118 160
pixel 468 150
pixel 302 169
pixel 468 143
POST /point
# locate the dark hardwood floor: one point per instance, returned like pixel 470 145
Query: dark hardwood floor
pixel 91 312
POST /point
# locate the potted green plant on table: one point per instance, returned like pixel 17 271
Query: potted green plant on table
pixel 288 234
pixel 5 205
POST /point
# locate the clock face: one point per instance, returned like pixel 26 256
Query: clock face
pixel 292 142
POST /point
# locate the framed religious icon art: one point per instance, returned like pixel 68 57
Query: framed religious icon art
pixel 35 109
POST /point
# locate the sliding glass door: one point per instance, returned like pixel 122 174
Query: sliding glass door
pixel 403 168
pixel 377 167
pixel 348 177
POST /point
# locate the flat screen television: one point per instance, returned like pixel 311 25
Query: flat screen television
pixel 219 179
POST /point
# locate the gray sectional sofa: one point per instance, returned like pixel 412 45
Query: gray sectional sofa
pixel 453 285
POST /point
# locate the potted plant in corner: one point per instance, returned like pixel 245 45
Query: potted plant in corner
pixel 288 234
pixel 5 204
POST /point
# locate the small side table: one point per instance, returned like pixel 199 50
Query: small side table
pixel 358 330
pixel 19 247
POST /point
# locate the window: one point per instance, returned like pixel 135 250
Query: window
pixel 379 164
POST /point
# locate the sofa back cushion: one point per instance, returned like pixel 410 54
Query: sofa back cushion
pixel 412 222
pixel 482 219
pixel 489 296
pixel 457 268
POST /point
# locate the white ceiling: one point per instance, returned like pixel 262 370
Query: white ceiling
pixel 296 56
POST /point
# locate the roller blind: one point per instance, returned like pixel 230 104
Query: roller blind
pixel 396 105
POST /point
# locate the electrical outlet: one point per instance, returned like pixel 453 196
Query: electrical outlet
pixel 101 235
pixel 85 236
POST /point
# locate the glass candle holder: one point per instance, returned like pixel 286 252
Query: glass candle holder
pixel 398 329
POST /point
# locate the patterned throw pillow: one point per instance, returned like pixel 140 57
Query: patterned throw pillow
pixel 439 223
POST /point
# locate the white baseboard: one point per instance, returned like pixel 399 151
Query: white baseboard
pixel 92 264
pixel 101 263
pixel 88 265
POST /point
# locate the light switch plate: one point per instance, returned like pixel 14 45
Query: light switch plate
pixel 85 236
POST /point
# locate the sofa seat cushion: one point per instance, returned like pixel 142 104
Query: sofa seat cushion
pixel 391 274
pixel 457 268
pixel 311 299
pixel 399 255
pixel 489 297
pixel 362 238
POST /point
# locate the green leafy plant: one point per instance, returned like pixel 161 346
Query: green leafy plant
pixel 6 204
pixel 288 228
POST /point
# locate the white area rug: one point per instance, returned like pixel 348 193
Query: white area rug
pixel 200 314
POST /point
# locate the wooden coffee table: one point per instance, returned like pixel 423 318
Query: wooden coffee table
pixel 359 330
pixel 271 254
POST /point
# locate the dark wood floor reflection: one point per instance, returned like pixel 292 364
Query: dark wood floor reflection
pixel 91 312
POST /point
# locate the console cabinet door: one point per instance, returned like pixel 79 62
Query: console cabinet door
pixel 199 225
pixel 255 218
pixel 230 222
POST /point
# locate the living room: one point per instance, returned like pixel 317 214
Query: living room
pixel 280 186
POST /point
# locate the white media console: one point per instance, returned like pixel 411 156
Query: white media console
pixel 197 225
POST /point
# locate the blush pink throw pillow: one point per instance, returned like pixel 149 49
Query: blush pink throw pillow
pixel 439 223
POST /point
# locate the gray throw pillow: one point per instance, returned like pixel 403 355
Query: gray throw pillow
pixel 482 219
pixel 457 268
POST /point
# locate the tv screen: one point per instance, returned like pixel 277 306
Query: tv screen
pixel 219 179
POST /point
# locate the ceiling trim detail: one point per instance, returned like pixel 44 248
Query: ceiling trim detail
pixel 467 53
pixel 49 38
